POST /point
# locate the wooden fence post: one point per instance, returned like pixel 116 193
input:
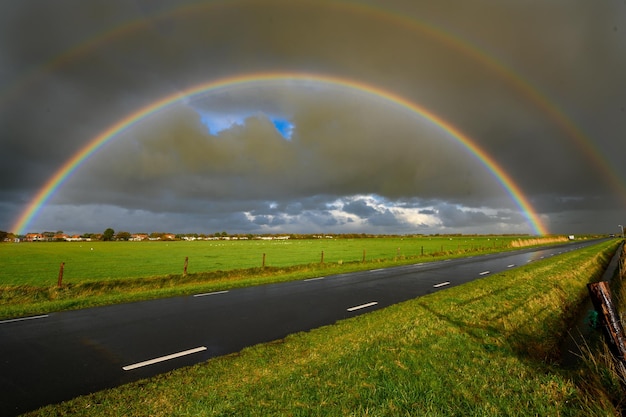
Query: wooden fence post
pixel 60 280
pixel 363 256
pixel 264 260
pixel 600 295
pixel 185 267
pixel 322 260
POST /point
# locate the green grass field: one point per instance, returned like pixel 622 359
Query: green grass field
pixel 103 273
pixel 486 348
pixel 38 263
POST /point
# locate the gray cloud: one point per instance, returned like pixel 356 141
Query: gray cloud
pixel 556 123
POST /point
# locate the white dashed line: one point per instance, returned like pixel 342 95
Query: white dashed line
pixel 441 284
pixel 314 279
pixel 24 319
pixel 485 273
pixel 510 266
pixel 373 303
pixel 163 358
pixel 210 293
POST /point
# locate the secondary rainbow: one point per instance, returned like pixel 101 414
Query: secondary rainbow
pixel 396 17
pixel 72 164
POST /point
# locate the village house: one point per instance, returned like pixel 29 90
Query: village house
pixel 60 236
pixel 34 237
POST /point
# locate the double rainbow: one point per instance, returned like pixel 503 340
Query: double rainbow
pixel 446 38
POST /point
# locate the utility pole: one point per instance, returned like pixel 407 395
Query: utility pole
pixel 621 227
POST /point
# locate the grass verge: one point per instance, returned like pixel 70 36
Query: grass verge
pixel 598 362
pixel 487 348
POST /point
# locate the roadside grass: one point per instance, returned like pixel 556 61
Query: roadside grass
pixel 117 272
pixel 597 360
pixel 486 348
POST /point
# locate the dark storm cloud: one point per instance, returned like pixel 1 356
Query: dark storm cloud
pixel 452 216
pixel 250 161
pixel 71 69
pixel 359 208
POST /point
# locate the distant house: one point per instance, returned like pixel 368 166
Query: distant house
pixel 138 237
pixel 74 238
pixel 34 237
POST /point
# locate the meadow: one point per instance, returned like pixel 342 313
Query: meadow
pixel 102 273
pixel 486 348
pixel 38 263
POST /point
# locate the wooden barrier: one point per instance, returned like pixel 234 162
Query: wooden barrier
pixel 60 280
pixel 600 295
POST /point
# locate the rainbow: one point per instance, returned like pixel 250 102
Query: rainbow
pixel 71 165
pixel 395 17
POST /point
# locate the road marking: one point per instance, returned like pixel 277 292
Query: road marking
pixel 510 266
pixel 210 293
pixel 24 319
pixel 485 273
pixel 377 270
pixel 163 358
pixel 373 303
pixel 442 284
pixel 314 279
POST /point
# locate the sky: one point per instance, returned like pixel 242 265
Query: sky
pixel 348 122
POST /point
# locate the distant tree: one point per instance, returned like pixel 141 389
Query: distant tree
pixel 108 234
pixel 123 235
pixel 3 235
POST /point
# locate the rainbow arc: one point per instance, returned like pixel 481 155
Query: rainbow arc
pixel 96 143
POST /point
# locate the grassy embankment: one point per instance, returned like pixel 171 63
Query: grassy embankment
pixel 598 362
pixel 101 273
pixel 487 348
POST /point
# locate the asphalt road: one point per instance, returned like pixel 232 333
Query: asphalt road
pixel 51 358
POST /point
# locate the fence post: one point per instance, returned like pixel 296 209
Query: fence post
pixel 185 267
pixel 322 260
pixel 60 280
pixel 363 256
pixel 600 295
pixel 263 260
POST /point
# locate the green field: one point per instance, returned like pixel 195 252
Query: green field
pixel 103 273
pixel 486 348
pixel 38 263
